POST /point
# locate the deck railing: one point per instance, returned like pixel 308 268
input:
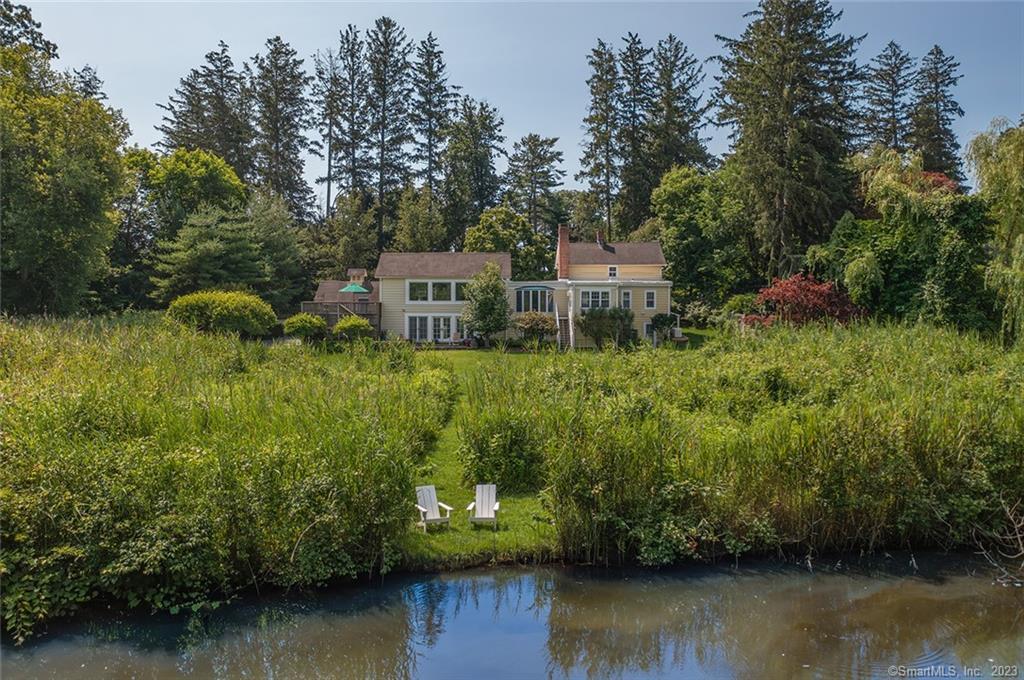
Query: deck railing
pixel 332 311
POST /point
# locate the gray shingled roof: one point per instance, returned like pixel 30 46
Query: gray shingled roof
pixel 440 265
pixel 643 252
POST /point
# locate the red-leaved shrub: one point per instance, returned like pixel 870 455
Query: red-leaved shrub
pixel 799 299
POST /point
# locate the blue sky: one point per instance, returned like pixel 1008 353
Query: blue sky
pixel 528 59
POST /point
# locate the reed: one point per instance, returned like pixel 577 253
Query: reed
pixel 158 466
pixel 812 439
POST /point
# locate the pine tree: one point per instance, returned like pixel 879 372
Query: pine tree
pixel 887 85
pixel 210 110
pixel 431 113
pixel 786 87
pixel 420 226
pixel 17 27
pixel 533 175
pixel 677 113
pixel 600 161
pixel 325 101
pixel 353 135
pixel 282 115
pixel 214 249
pixel 933 114
pixel 390 92
pixel 471 181
pixel 635 104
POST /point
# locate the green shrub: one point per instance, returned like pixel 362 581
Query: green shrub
pixel 223 312
pixel 602 324
pixel 536 326
pixel 309 327
pixel 352 328
pixel 161 467
pixel 743 303
pixel 663 323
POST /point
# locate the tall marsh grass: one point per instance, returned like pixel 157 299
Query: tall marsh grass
pixel 159 466
pixel 806 439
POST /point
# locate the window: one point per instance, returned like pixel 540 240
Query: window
pixel 650 299
pixel 441 291
pixel 533 300
pixel 460 291
pixel 417 328
pixel 594 298
pixel 613 272
pixel 648 330
pixel 627 299
pixel 418 291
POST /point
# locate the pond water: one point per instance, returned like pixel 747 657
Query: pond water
pixel 715 622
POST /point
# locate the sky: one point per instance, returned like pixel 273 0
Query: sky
pixel 527 59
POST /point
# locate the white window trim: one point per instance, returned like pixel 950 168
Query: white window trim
pixel 654 303
pixel 453 328
pixel 430 292
pixel 623 296
pixel 546 294
pixel 590 294
pixel 613 271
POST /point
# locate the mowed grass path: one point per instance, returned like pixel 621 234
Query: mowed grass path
pixel 524 531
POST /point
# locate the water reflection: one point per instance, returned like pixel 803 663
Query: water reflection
pixel 765 622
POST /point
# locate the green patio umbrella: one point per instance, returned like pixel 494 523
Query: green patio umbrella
pixel 354 288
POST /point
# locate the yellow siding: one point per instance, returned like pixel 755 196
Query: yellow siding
pixel 394 307
pixel 599 272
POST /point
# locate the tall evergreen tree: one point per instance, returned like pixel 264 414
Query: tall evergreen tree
pixel 887 86
pixel 420 226
pixel 325 101
pixel 533 175
pixel 433 104
pixel 282 115
pixel 353 135
pixel 600 161
pixel 210 110
pixel 17 27
pixel 471 181
pixel 934 111
pixel 635 103
pixel 786 87
pixel 677 113
pixel 390 91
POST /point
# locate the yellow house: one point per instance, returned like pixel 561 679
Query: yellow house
pixel 419 296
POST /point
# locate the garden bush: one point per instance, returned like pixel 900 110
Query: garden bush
pixel 353 328
pixel 152 465
pixel 536 326
pixel 223 312
pixel 308 327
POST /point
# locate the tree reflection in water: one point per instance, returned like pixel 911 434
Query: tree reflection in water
pixel 765 622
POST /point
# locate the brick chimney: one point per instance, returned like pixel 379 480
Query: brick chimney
pixel 562 253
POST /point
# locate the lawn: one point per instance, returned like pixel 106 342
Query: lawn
pixel 524 531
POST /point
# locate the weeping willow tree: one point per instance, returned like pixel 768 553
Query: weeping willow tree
pixel 997 159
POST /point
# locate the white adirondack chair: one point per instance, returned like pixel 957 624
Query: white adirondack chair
pixel 484 510
pixel 427 504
